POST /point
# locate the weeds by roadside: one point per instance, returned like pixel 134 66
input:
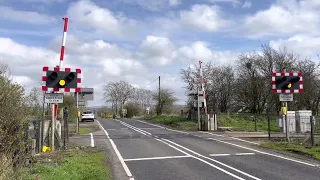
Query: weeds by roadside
pixel 75 163
pixel 177 122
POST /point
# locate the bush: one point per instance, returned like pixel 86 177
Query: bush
pixel 12 117
pixel 132 110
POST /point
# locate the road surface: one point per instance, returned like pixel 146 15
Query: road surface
pixel 151 152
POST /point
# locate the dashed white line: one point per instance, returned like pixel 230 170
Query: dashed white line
pixel 281 157
pixel 124 165
pixel 169 143
pixel 219 154
pixel 92 140
pixel 236 154
pixel 199 155
pixel 154 158
pixel 244 154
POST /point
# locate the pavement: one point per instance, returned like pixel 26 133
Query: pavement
pixel 138 150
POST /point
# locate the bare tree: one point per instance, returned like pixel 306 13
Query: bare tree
pixel 247 86
pixel 118 93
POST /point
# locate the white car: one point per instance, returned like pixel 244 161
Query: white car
pixel 87 115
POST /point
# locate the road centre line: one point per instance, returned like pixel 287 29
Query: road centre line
pixel 124 165
pixel 199 155
pixel 236 154
pixel 241 154
pixel 154 158
pixel 205 157
pixel 281 157
pixel 274 155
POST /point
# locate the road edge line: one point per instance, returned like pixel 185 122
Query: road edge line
pixel 124 165
pixel 274 155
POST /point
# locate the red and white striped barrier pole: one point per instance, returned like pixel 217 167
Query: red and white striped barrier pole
pixel 202 88
pixel 64 38
pixel 204 94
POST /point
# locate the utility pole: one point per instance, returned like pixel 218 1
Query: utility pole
pixel 159 103
pixel 198 112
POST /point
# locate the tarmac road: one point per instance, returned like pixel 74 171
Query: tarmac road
pixel 151 152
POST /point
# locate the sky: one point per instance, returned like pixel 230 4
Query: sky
pixel 139 40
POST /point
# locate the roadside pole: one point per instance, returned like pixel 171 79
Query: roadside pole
pixel 198 112
pixel 52 127
pixel 78 117
pixel 268 116
pixel 312 130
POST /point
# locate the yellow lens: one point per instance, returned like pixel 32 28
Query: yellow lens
pixel 62 82
pixel 289 85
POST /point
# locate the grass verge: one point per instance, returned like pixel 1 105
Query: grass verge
pixel 245 122
pixel 80 164
pixel 295 147
pixel 81 130
pixel 176 122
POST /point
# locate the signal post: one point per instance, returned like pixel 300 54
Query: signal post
pixel 286 84
pixel 60 80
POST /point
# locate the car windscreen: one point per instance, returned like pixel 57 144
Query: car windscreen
pixel 88 112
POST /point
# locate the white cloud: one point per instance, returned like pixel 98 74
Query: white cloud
pixel 203 17
pixel 174 2
pixel 154 5
pixel 157 51
pixel 43 1
pixel 88 15
pixel 284 18
pixel 303 45
pixel 30 17
pixel 247 4
pixel 235 3
pixel 200 51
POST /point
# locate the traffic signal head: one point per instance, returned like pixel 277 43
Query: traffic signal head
pixel 61 79
pixel 287 82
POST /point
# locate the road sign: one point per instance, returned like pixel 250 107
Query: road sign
pixel 86 94
pixel 286 97
pixel 53 98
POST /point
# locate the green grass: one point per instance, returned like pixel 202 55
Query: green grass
pixel 313 152
pixel 236 122
pixel 81 130
pixel 173 121
pixel 245 122
pixel 77 164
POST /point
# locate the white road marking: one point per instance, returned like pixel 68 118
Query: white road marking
pixel 219 154
pixel 245 141
pixel 152 124
pixel 232 138
pixel 199 155
pixel 236 154
pixel 124 165
pixel 281 157
pixel 241 154
pixel 163 127
pixel 151 128
pixel 212 134
pixel 154 158
pixel 92 140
